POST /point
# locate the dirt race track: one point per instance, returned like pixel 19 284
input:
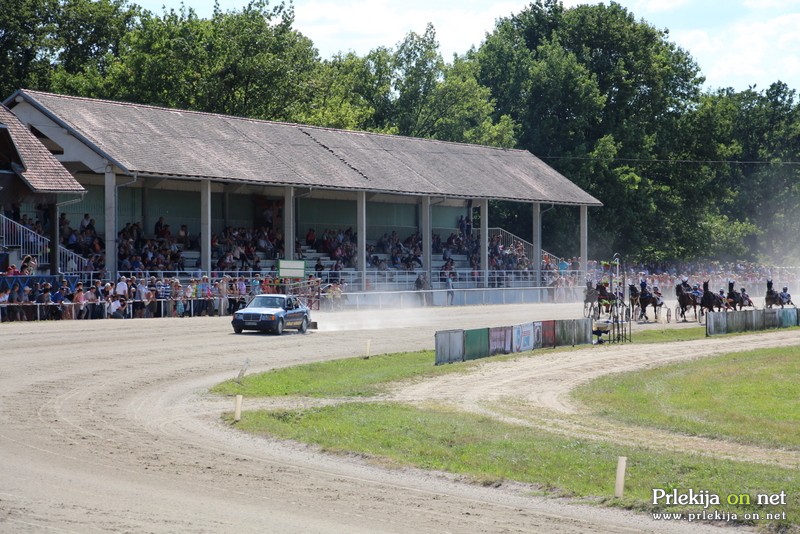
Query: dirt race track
pixel 106 426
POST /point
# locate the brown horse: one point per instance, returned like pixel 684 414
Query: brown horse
pixel 686 300
pixel 643 301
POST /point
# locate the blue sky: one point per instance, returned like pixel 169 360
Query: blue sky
pixel 737 43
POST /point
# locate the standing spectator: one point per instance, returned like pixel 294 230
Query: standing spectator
pixel 139 299
pixel 85 222
pixel 450 288
pixel 158 229
pixel 419 285
pixel 121 288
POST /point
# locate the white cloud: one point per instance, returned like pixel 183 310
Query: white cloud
pixel 747 53
pixel 363 25
pixel 770 5
pixel 643 7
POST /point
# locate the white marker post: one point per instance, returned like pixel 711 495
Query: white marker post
pixel 237 414
pixel 366 356
pixel 620 487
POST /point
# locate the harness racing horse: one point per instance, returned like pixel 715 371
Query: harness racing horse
pixel 710 300
pixel 772 299
pixel 590 300
pixel 734 297
pixel 604 298
pixel 643 301
pixel 686 300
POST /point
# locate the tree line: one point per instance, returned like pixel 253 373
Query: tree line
pixel 607 100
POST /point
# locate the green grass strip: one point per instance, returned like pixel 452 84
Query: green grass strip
pixel 748 397
pixel 490 451
pixel 351 377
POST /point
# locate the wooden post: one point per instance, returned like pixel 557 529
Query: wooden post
pixel 237 414
pixel 620 487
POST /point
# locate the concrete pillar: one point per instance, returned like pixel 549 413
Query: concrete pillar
pixel 584 238
pixel 361 235
pixel 53 235
pixel 205 225
pixel 484 207
pixel 537 242
pixel 426 230
pixel 288 222
pixel 111 222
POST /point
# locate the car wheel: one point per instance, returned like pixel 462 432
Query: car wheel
pixel 279 327
pixel 237 330
pixel 304 325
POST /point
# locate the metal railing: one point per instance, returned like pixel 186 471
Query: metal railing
pixel 373 280
pixel 28 242
pixel 509 240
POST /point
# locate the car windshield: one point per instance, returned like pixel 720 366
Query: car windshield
pixel 267 302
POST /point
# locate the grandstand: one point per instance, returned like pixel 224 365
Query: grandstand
pixel 208 172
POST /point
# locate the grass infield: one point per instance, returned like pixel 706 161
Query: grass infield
pixel 490 452
pixel 748 397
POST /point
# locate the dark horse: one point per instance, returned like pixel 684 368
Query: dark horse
pixel 773 298
pixel 643 301
pixel 734 297
pixel 710 300
pixel 604 298
pixel 686 300
pixel 590 300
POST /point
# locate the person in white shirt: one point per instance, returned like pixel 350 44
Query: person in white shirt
pixel 122 287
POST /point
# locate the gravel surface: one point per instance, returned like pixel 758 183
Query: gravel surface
pixel 107 426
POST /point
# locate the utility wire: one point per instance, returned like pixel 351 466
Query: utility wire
pixel 633 160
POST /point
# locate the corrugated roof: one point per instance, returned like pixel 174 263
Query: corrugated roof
pixel 151 140
pixel 40 169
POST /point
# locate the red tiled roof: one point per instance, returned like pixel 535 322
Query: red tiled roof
pixel 40 169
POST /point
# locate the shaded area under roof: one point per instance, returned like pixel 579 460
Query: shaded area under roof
pixel 36 166
pixel 159 141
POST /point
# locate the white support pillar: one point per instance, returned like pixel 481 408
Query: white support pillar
pixel 484 206
pixel 111 222
pixel 537 242
pixel 288 223
pixel 584 238
pixel 426 231
pixel 361 236
pixel 205 225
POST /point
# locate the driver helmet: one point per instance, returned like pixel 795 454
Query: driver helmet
pixel 786 288
pixel 743 290
pixel 696 286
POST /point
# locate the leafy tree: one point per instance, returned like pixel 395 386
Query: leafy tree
pixel 599 96
pixel 163 61
pixel 248 63
pixel 441 101
pixel 338 88
pixel 26 47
